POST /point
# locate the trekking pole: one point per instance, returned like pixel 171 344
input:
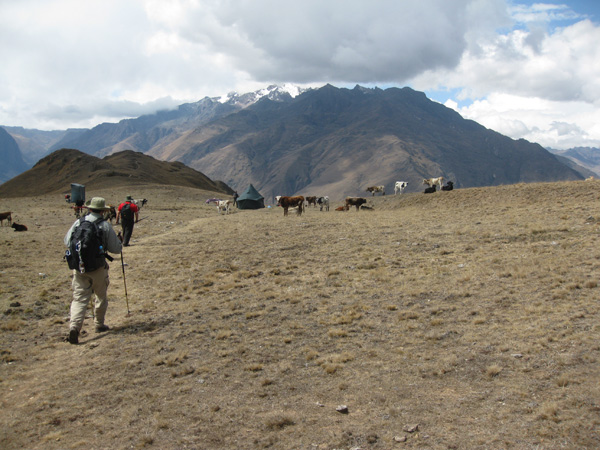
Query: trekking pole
pixel 124 280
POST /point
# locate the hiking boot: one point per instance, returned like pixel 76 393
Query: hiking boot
pixel 102 328
pixel 73 337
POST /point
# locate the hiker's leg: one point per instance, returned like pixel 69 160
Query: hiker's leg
pixel 127 230
pixel 100 284
pixel 82 292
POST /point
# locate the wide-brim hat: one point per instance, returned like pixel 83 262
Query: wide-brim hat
pixel 97 203
pixel 129 198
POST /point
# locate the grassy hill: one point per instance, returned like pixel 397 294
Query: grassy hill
pixel 57 171
pixel 462 319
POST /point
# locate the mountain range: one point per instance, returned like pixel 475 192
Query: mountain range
pixel 326 141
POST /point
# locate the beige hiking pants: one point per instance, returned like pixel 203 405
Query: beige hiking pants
pixel 84 286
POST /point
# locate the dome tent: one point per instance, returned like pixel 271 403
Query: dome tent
pixel 250 199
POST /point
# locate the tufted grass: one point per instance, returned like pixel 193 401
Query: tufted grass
pixel 472 313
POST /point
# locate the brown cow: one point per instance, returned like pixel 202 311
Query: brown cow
pixel 355 201
pixel 110 214
pixel 5 216
pixel 290 202
pixel 311 200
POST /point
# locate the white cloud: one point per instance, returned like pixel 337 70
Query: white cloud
pixel 556 67
pixel 550 123
pixel 74 63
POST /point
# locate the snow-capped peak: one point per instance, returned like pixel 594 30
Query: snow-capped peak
pixel 273 92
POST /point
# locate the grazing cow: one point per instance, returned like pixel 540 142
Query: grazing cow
pixel 355 201
pixel 5 216
pixel 449 186
pixel 110 214
pixel 223 206
pixel 140 202
pixel 373 189
pixel 290 202
pixel 429 190
pixel 400 186
pixel 19 227
pixel 324 203
pixel 311 201
pixel 432 181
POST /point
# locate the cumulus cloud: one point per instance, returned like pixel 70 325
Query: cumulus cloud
pixel 529 63
pixel 74 63
pixel 550 123
pixel 68 52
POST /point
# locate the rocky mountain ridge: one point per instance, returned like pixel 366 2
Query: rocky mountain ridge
pixel 325 141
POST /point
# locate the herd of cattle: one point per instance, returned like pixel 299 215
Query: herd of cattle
pixel 8 217
pixel 400 186
pixel 301 202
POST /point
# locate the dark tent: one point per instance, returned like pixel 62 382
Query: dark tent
pixel 250 199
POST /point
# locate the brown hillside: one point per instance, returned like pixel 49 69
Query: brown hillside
pixel 57 171
pixel 458 320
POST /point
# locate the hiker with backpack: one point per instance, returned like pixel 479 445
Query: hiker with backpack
pixel 87 241
pixel 126 213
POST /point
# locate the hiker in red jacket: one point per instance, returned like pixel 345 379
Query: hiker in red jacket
pixel 127 211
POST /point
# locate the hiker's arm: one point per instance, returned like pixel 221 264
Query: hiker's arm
pixel 137 216
pixel 113 243
pixel 68 235
pixel 118 216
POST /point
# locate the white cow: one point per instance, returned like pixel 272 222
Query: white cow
pixel 400 186
pixel 324 203
pixel 433 181
pixel 223 205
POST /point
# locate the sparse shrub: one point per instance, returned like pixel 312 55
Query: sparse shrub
pixel 331 368
pixel 333 333
pixel 548 411
pixel 224 334
pixel 342 358
pixel 311 355
pixel 145 442
pixel 183 371
pixel 493 370
pixel 12 325
pixel 408 315
pixel 277 421
pixel 563 380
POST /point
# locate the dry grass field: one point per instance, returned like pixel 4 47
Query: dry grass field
pixel 458 320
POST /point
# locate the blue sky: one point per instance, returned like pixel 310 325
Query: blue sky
pixel 526 69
